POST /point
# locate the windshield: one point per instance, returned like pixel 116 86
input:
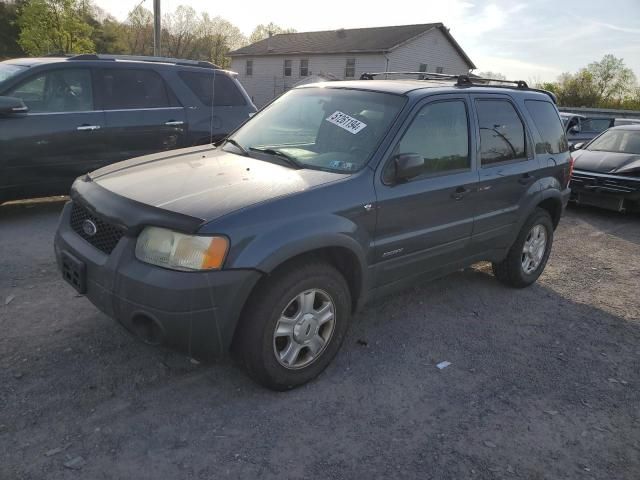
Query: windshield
pixel 617 141
pixel 324 128
pixel 8 70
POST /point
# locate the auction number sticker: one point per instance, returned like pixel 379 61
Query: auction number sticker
pixel 346 122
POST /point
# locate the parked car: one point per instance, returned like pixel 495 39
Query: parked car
pixel 65 116
pixel 581 129
pixel 607 170
pixel 268 243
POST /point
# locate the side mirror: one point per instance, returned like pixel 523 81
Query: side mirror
pixel 12 105
pixel 408 166
pixel 576 146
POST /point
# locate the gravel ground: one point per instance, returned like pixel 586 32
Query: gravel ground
pixel 543 382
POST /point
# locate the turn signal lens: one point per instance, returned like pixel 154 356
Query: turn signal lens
pixel 177 251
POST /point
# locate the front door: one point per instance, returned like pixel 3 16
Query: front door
pixel 426 222
pixel 508 171
pixel 60 138
pixel 141 114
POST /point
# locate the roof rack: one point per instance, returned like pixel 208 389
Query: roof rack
pixel 462 80
pixel 142 58
pixel 466 81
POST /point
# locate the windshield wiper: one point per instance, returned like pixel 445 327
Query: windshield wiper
pixel 238 146
pixel 277 153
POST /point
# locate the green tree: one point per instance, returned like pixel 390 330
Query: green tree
pixel 611 79
pixel 108 33
pixel 262 31
pixel 9 31
pixel 216 38
pixel 138 32
pixel 606 84
pixel 179 32
pixel 54 26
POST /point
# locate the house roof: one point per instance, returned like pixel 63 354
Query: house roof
pixel 355 40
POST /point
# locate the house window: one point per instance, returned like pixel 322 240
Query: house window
pixel 248 70
pixel 422 68
pixel 304 68
pixel 287 68
pixel 350 68
pixel 439 69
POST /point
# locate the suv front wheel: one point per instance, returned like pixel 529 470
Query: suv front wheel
pixel 528 255
pixel 294 324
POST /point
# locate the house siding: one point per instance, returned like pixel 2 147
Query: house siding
pixel 268 80
pixel 433 49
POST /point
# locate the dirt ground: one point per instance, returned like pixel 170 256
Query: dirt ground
pixel 544 383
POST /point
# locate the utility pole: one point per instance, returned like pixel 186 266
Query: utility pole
pixel 157 32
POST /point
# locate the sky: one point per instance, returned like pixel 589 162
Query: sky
pixel 535 40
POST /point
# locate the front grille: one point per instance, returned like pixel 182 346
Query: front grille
pixel 106 235
pixel 603 183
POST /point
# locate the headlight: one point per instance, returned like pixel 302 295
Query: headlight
pixel 177 251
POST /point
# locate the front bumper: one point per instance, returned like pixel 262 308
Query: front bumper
pixel 615 192
pixel 196 312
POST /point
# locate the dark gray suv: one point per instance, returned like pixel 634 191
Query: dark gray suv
pixel 61 117
pixel 332 195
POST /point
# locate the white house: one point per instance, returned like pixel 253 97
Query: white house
pixel 272 66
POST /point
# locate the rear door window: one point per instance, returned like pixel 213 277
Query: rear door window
pixel 124 89
pixel 223 92
pixel 502 134
pixel 547 122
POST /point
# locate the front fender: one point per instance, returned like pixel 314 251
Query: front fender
pixel 286 240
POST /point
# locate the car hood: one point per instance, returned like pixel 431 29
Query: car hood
pixel 205 182
pixel 607 162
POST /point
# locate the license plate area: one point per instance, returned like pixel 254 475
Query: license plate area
pixel 74 272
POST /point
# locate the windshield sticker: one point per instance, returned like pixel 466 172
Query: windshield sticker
pixel 346 122
pixel 342 165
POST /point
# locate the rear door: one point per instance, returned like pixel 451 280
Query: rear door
pixel 61 136
pixel 426 223
pixel 142 115
pixel 508 170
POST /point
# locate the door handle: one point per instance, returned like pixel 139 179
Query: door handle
pixel 88 128
pixel 174 123
pixel 459 193
pixel 526 179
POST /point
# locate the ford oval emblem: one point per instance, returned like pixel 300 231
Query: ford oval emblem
pixel 89 228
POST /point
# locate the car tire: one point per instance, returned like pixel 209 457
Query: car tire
pixel 304 306
pixel 527 257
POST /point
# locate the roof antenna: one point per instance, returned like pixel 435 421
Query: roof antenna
pixel 213 97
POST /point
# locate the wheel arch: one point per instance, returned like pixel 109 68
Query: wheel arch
pixel 339 253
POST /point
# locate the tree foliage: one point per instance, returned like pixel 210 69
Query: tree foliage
pixel 9 30
pixel 54 26
pixel 605 84
pixel 263 31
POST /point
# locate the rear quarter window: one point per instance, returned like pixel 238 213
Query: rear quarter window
pixel 545 117
pixel 223 92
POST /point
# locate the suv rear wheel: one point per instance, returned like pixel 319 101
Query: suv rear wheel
pixel 528 255
pixel 294 325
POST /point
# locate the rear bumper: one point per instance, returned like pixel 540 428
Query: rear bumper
pixel 196 312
